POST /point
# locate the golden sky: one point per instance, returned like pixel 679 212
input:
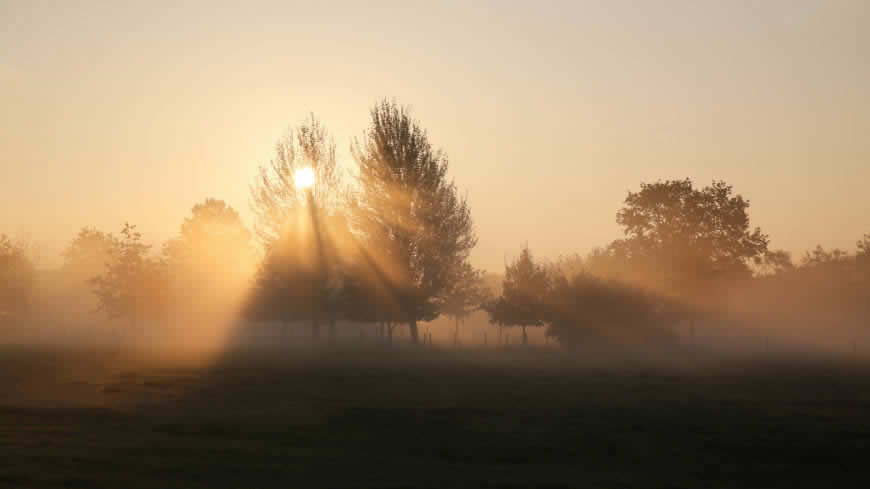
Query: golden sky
pixel 550 111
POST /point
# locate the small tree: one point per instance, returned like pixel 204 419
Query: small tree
pixel 132 286
pixel 17 275
pixel 523 301
pixel 87 254
pixel 465 293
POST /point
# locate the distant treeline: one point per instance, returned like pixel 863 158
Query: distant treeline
pixel 390 245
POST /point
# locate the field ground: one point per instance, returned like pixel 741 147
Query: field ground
pixel 81 418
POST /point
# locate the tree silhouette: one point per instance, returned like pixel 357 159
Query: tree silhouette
pixel 862 255
pixel 586 309
pixel 775 262
pixel 210 260
pixel 685 239
pixel 17 275
pixel 464 294
pixel 133 285
pixel 289 221
pixel 523 301
pixel 409 214
pixel 88 253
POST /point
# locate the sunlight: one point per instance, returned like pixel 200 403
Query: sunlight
pixel 304 177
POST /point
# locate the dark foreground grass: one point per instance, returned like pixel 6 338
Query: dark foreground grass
pixel 430 419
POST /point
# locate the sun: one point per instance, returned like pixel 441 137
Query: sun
pixel 304 177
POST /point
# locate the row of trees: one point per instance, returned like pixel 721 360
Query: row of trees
pixel 688 254
pixel 390 245
pixel 201 269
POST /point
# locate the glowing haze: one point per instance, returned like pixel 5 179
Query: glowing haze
pixel 550 112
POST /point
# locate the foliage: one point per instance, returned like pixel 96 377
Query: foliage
pixel 275 194
pixel 88 253
pixel 821 256
pixel 210 261
pixel 133 285
pixel 17 274
pixel 685 239
pixel 465 293
pixel 585 309
pixel 525 290
pixel 210 238
pixel 291 224
pixel 410 215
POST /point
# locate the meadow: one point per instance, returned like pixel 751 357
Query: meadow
pixel 404 417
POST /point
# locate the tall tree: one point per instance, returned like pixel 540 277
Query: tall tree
pixel 17 275
pixel 464 294
pixel 411 216
pixel 285 208
pixel 523 301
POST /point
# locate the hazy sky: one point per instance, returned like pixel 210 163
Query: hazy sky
pixel 550 112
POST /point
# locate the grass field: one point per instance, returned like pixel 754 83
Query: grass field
pixel 404 418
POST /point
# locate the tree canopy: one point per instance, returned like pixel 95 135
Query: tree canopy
pixel 17 275
pixel 684 238
pixel 275 193
pixel 133 285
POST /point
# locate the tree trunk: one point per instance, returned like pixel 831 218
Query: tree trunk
pixel 525 336
pixel 412 326
pixel 456 333
pixel 390 333
pixel 332 332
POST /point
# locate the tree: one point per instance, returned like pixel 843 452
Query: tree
pixel 212 243
pixel 583 308
pixel 523 301
pixel 864 246
pixel 862 256
pixel 410 215
pixel 305 274
pixel 210 261
pixel 17 275
pixel 820 256
pixel 132 285
pixel 465 293
pixel 284 209
pixel 686 240
pixel 87 254
pixel 775 262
